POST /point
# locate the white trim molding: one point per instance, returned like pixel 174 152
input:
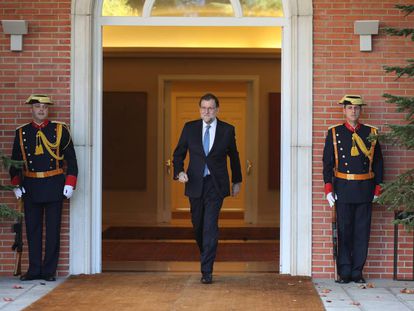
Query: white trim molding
pixel 296 140
pixel 296 129
pixel 81 216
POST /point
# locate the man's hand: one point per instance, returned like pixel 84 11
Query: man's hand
pixel 68 191
pixel 182 177
pixel 235 189
pixel 331 199
pixel 18 192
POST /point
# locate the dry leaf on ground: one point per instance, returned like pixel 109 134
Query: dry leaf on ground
pixel 407 291
pixel 367 285
pixel 8 299
pixel 326 290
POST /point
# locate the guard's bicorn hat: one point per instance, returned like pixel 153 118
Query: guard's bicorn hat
pixel 38 98
pixel 352 100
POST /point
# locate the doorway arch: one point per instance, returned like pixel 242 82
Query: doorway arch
pixel 296 132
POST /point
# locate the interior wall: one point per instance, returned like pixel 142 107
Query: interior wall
pixel 140 74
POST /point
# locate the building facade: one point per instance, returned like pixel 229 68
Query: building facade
pixel 63 55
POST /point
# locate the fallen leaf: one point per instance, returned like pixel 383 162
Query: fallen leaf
pixel 355 303
pixel 407 291
pixel 290 284
pixel 329 301
pixel 8 299
pixel 17 287
pixel 326 290
pixel 370 285
pixel 323 295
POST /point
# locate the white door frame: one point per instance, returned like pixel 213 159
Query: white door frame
pixel 296 129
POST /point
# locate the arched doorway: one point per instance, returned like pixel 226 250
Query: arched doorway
pixel 296 134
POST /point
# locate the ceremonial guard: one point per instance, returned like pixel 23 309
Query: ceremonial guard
pixel 352 172
pixel 43 146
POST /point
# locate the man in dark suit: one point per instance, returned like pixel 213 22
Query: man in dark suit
pixel 352 172
pixel 209 142
pixel 43 145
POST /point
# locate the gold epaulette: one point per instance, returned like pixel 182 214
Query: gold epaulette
pixel 334 126
pixel 22 126
pixel 63 123
pixel 371 126
pixel 67 128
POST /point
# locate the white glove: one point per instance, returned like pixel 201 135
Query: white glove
pixel 235 189
pixel 331 199
pixel 182 177
pixel 18 192
pixel 68 191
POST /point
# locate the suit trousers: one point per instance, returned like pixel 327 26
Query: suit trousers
pixel 354 226
pixel 34 214
pixel 204 216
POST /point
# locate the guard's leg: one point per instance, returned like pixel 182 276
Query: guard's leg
pixel 53 212
pixel 33 216
pixel 362 228
pixel 345 218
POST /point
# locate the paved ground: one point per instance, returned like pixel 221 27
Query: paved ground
pixel 379 295
pixel 16 295
pixel 376 295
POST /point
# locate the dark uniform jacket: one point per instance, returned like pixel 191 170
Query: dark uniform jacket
pixel 224 145
pixel 46 189
pixel 351 191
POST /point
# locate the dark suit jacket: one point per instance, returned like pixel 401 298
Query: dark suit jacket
pixel 351 191
pixel 224 145
pixel 48 189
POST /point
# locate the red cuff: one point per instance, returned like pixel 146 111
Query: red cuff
pixel 71 180
pixel 328 188
pixel 377 191
pixel 16 181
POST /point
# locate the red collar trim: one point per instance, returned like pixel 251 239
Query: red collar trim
pixel 40 126
pixel 351 128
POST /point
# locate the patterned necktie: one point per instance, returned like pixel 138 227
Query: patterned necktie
pixel 206 146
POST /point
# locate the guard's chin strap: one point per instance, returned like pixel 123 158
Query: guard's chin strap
pixel 42 139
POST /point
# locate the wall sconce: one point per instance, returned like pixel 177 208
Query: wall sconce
pixel 16 29
pixel 366 29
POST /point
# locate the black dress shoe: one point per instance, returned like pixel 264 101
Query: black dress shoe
pixel 343 280
pixel 29 277
pixel 359 280
pixel 207 278
pixel 49 278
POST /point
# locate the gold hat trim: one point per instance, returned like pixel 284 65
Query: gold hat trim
pixel 38 98
pixel 352 99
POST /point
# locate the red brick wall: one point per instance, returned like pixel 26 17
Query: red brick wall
pixel 42 67
pixel 340 68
